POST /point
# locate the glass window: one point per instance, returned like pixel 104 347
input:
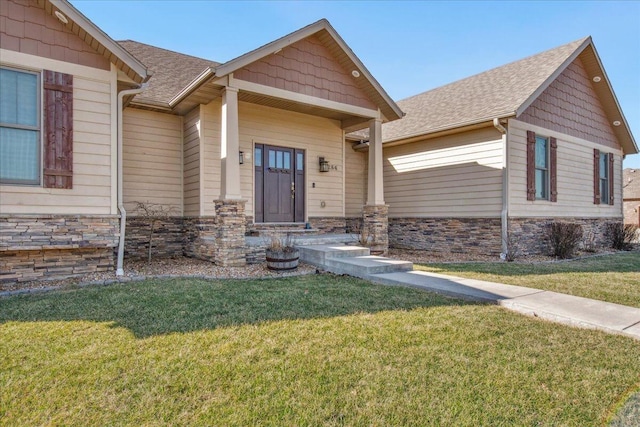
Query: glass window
pixel 604 178
pixel 542 170
pixel 287 160
pixel 279 159
pixel 272 158
pixel 299 161
pixel 19 127
pixel 257 156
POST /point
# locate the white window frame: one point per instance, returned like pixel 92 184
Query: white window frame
pixel 37 128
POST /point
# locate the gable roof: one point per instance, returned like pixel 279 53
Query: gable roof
pixel 502 92
pixel 172 71
pixel 178 76
pixel 98 39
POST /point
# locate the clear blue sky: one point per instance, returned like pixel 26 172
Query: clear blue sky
pixel 409 47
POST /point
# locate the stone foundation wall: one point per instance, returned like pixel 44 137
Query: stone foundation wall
pixel 230 230
pixel 328 224
pixel 54 246
pixel 24 266
pixel 461 235
pixel 167 242
pixel 375 222
pixel 199 235
pixel 531 238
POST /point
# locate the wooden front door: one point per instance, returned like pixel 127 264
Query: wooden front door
pixel 279 184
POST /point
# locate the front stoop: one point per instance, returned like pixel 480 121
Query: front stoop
pixel 352 260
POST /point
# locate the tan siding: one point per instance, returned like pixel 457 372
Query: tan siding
pixel 92 147
pixel 264 125
pixel 575 177
pixel 152 147
pixel 454 176
pixel 191 166
pixel 28 28
pixel 570 106
pixel 355 181
pixel 307 67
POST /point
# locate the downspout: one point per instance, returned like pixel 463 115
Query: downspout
pixel 123 212
pixel 504 214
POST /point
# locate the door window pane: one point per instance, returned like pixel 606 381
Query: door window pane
pixel 299 161
pixel 279 159
pixel 272 158
pixel 257 156
pixel 287 160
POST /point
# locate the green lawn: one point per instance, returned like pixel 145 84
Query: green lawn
pixel 614 278
pixel 312 350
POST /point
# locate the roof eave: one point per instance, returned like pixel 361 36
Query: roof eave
pixel 101 37
pixel 203 77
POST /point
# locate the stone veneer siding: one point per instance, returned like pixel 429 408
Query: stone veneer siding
pixel 168 237
pixel 375 220
pixel 328 224
pixel 230 230
pixel 530 234
pixel 55 246
pixel 199 234
pixel 461 235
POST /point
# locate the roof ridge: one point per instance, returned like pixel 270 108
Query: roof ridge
pixel 577 42
pixel 166 50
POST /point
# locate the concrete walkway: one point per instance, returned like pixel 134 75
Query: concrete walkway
pixel 557 307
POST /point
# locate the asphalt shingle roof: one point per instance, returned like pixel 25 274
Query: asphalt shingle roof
pixel 172 71
pixel 495 93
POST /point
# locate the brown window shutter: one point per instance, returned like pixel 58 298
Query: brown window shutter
pixel 611 179
pixel 553 169
pixel 58 129
pixel 596 176
pixel 531 165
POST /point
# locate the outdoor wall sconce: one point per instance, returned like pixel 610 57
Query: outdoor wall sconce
pixel 324 164
pixel 241 157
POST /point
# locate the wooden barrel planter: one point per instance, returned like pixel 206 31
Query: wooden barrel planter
pixel 282 260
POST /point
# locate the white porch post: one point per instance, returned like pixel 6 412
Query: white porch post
pixel 375 189
pixel 229 146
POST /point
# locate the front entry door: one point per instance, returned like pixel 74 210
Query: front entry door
pixel 279 188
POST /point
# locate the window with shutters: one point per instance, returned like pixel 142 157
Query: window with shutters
pixel 603 165
pixel 19 127
pixel 542 168
pixel 36 135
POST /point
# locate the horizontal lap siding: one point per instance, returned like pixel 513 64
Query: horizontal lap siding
pixel 152 146
pixel 265 125
pixel 575 177
pixel 453 176
pixel 355 181
pixel 191 163
pixel 92 139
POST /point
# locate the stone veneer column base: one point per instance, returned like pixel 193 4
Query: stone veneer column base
pixel 375 222
pixel 230 250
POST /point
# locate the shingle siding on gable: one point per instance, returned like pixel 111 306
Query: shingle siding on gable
pixel 25 27
pixel 309 68
pixel 570 106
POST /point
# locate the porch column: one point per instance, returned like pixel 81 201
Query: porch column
pixel 375 189
pixel 229 146
pixel 229 244
pixel 375 220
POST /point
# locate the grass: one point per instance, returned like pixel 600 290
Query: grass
pixel 314 350
pixel 613 278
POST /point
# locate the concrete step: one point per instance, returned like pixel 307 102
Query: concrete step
pixel 304 240
pixel 318 254
pixel 365 266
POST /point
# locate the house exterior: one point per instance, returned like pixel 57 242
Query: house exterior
pixel 631 196
pixel 487 162
pixel 88 131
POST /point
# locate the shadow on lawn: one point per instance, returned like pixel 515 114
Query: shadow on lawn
pixel 158 307
pixel 626 262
